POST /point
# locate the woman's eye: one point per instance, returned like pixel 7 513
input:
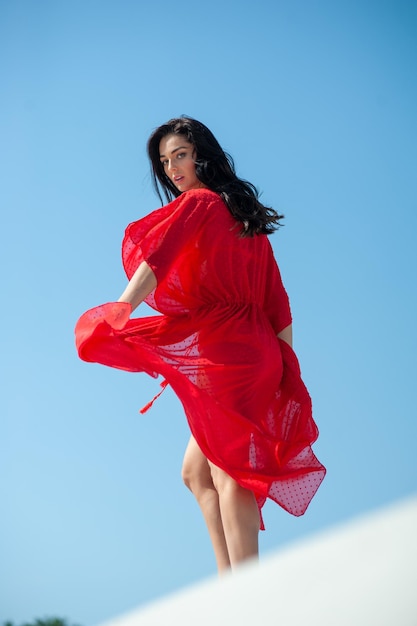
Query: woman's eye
pixel 181 155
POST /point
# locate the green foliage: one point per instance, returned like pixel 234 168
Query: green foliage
pixel 47 621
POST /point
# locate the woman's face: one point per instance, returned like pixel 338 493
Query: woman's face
pixel 177 157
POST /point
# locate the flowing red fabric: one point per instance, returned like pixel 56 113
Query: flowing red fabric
pixel 221 303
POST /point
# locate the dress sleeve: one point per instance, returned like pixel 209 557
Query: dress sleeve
pixel 277 305
pixel 164 235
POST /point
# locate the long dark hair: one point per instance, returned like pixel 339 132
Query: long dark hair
pixel 215 169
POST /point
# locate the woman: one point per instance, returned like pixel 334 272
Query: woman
pixel 222 339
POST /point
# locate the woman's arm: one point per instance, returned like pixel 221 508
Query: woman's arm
pixel 286 334
pixel 140 285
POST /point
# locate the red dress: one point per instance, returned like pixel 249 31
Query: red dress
pixel 222 303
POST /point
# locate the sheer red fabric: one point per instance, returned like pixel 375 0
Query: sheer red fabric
pixel 221 303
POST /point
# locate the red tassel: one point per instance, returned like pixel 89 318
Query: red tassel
pixel 143 410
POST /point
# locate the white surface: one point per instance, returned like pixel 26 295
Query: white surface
pixel 363 573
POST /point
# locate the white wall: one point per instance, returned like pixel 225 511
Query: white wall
pixel 363 573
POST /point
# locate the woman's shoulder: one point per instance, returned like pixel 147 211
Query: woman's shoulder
pixel 193 202
pixel 200 195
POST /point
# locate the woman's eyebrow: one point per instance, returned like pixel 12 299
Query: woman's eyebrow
pixel 172 151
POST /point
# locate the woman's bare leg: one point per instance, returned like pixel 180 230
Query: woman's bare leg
pixel 240 517
pixel 197 476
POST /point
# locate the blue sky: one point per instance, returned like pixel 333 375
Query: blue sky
pixel 316 102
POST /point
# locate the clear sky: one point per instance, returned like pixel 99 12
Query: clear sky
pixel 316 101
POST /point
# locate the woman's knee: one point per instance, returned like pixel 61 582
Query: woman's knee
pixel 221 480
pixel 188 475
pixel 195 471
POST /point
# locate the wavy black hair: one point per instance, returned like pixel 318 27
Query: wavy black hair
pixel 215 169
